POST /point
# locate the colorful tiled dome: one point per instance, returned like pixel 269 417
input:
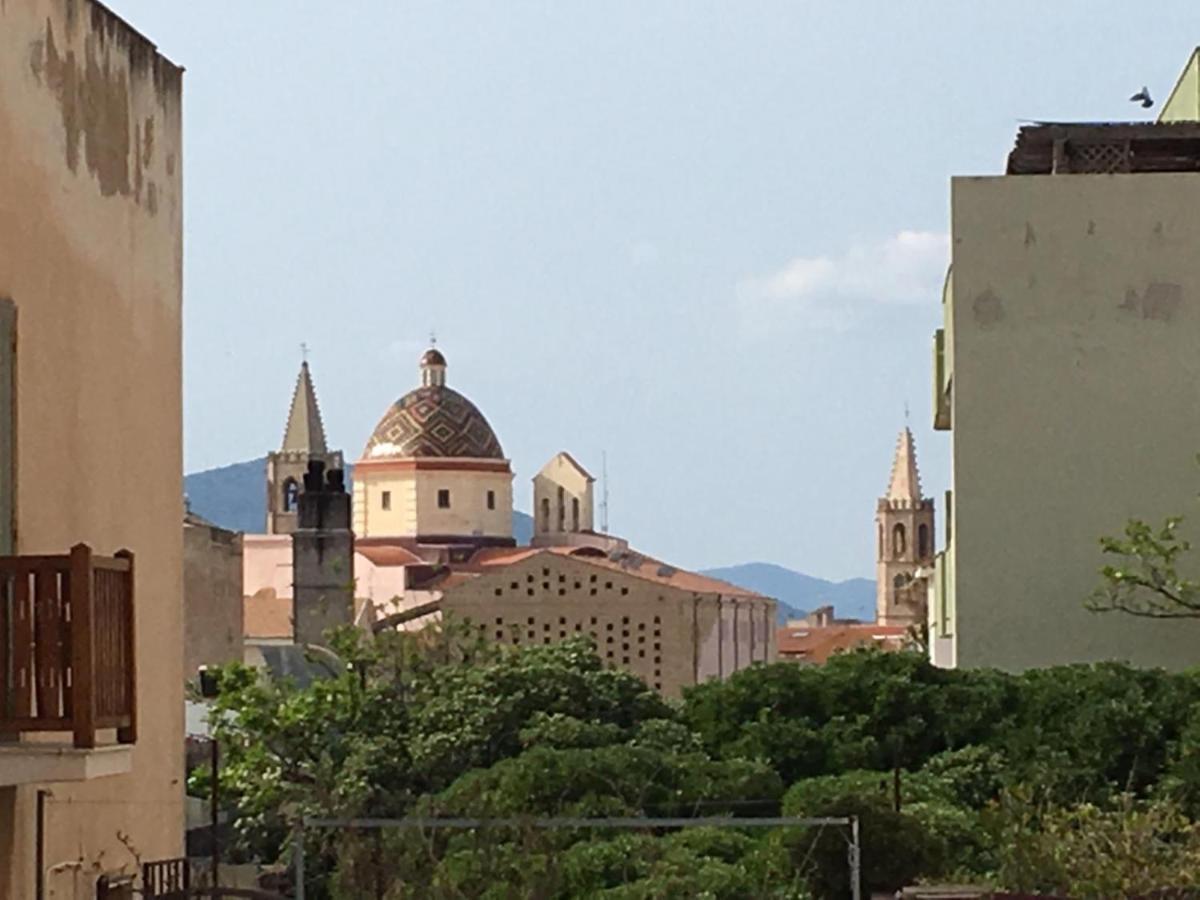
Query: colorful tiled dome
pixel 433 421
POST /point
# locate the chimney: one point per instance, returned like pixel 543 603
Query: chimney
pixel 322 556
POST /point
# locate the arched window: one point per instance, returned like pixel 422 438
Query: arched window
pixel 922 541
pixel 545 514
pixel 879 554
pixel 574 513
pixel 899 544
pixel 562 510
pixel 290 493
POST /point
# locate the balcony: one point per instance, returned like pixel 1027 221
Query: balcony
pixel 67 666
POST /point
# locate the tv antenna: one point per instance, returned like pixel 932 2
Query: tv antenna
pixel 604 491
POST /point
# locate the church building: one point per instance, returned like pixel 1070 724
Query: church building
pixel 433 537
pixel 904 541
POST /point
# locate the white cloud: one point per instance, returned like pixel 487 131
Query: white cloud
pixel 834 293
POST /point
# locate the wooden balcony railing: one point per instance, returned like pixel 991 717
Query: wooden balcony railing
pixel 67 658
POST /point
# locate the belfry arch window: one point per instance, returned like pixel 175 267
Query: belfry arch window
pixel 545 514
pixel 574 513
pixel 922 541
pixel 899 541
pixel 562 510
pixel 290 494
pixel 879 554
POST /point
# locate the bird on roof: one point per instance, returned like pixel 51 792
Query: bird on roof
pixel 1143 97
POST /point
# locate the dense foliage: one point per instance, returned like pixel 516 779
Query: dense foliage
pixel 1081 781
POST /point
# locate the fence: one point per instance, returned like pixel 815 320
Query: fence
pixel 67 645
pixel 853 848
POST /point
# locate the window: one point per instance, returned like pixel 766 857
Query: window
pixel 443 498
pixel 491 499
pixel 385 499
pixel 899 545
pixel 574 513
pixel 545 514
pixel 290 494
pixel 922 541
pixel 562 510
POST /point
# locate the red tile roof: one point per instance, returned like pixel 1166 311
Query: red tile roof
pixel 389 555
pixel 816 644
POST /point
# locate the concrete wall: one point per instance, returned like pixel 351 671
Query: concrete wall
pixel 91 254
pixel 1076 322
pixel 414 506
pixel 212 597
pixel 668 637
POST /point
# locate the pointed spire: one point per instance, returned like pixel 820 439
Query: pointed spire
pixel 906 481
pixel 304 432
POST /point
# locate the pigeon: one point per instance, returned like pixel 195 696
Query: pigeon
pixel 1143 97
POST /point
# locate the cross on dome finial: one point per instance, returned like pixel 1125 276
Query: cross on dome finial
pixel 303 352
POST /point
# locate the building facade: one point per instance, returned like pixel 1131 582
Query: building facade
pixel 212 595
pixel 91 258
pixel 669 627
pixel 1066 373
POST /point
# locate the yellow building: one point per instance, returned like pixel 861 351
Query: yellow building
pixel 91 257
pixel 433 470
pixel 1067 373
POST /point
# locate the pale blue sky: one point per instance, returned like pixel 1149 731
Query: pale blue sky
pixel 706 237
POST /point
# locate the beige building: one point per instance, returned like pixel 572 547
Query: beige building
pixel 562 501
pixel 1067 374
pixel 433 470
pixel 91 258
pixel 212 595
pixel 904 541
pixel 669 627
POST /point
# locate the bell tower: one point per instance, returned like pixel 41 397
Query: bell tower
pixel 904 540
pixel 303 442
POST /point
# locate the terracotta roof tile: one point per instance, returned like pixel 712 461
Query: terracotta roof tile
pixel 389 555
pixel 817 644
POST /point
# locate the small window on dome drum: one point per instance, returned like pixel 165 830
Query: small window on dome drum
pixel 443 498
pixel 491 499
pixel 385 499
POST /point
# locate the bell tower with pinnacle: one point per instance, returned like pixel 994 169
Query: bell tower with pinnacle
pixel 303 442
pixel 904 540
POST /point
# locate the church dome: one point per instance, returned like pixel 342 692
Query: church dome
pixel 433 421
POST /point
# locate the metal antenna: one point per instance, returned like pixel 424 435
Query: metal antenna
pixel 604 491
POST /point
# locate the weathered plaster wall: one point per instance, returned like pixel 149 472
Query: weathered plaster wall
pixel 1076 322
pixel 91 254
pixel 212 597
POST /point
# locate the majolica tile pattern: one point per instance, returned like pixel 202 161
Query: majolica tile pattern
pixel 434 421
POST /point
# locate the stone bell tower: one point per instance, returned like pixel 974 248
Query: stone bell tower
pixel 303 442
pixel 904 541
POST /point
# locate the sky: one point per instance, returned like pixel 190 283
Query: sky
pixel 704 241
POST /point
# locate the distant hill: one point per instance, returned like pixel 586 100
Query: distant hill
pixel 235 497
pixel 851 599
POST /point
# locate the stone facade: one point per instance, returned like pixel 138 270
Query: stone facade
pixel 562 500
pixel 212 595
pixel 322 557
pixel 91 258
pixel 303 442
pixel 904 523
pixel 669 634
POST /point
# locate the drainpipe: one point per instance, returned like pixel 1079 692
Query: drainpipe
pixel 40 846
